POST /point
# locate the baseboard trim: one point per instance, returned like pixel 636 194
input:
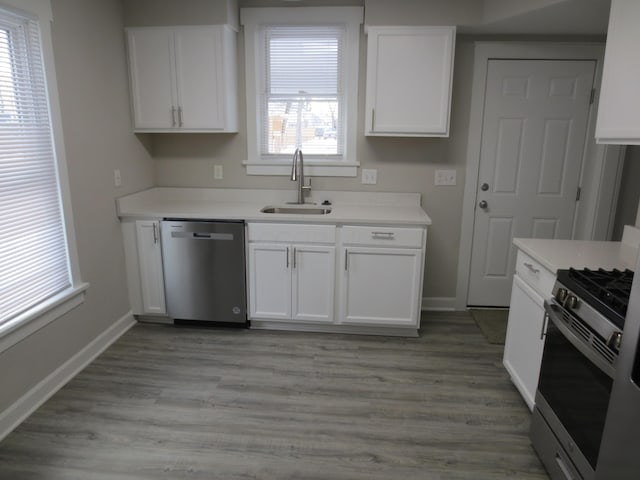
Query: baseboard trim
pixel 332 328
pixel 440 304
pixel 34 398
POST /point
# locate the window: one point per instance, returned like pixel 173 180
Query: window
pixel 34 256
pixel 302 76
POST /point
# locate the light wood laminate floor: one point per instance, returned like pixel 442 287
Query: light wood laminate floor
pixel 184 403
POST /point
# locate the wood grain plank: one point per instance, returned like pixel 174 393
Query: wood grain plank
pixel 188 403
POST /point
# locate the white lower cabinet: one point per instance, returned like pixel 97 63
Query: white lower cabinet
pixel 313 283
pixel 291 281
pixel 269 281
pixel 143 256
pixel 380 286
pixel 294 276
pixel 381 280
pixel 527 325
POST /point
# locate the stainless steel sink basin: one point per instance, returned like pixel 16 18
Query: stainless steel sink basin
pixel 297 210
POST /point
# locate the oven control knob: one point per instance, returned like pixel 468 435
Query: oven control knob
pixel 615 340
pixel 571 302
pixel 561 294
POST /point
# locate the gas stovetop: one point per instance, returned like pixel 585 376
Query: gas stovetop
pixel 605 290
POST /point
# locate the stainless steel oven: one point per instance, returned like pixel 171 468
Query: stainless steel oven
pixel 578 367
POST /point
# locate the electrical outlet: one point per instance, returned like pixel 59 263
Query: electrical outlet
pixel 217 172
pixel 445 177
pixel 117 179
pixel 369 176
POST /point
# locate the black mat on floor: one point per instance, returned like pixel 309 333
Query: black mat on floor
pixel 492 322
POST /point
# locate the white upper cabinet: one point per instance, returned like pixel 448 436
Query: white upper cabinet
pixel 183 79
pixel 619 108
pixel 409 75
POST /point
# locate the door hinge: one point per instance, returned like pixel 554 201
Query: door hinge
pixel 578 192
pixel 593 96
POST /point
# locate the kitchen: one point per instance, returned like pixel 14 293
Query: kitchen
pixel 92 77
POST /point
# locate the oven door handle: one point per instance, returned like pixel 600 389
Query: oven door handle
pixel 553 310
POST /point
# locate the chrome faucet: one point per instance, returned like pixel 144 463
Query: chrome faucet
pixel 298 175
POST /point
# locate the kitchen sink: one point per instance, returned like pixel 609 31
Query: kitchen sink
pixel 297 210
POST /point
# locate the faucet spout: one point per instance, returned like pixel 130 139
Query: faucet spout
pixel 297 174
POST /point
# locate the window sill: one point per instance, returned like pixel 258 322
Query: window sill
pixel 342 169
pixel 38 317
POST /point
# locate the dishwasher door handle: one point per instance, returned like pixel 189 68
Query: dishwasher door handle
pixel 203 236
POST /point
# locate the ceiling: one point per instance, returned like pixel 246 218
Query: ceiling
pixel 482 17
pixel 564 17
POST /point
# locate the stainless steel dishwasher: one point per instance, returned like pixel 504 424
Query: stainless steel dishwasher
pixel 204 270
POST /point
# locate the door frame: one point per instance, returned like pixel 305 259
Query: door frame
pixel 600 159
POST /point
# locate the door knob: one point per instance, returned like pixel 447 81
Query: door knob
pixel 484 187
pixel 483 204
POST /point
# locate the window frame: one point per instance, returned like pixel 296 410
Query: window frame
pixel 52 308
pixel 253 21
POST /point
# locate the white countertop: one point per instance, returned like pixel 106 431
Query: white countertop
pixel 240 204
pixel 562 254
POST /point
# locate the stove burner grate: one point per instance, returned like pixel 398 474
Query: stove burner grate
pixel 611 287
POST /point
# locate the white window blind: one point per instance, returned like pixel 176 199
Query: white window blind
pixel 34 263
pixel 303 97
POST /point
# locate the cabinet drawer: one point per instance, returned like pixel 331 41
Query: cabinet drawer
pixel 534 274
pixel 291 233
pixel 383 236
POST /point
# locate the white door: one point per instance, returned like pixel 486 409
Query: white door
pixel 152 77
pixel 380 286
pixel 533 136
pixel 151 275
pixel 200 77
pixel 269 281
pixel 313 283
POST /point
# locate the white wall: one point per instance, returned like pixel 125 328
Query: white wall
pixel 92 81
pixel 404 164
pixel 500 9
pixel 424 12
pixel 628 209
pixel 144 13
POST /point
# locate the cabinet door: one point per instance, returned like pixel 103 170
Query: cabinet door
pixel 313 283
pixel 269 281
pixel 151 275
pixel 619 107
pixel 200 79
pixel 380 286
pixel 409 72
pixel 525 341
pixel 151 71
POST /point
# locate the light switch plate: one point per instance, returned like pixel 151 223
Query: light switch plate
pixel 117 178
pixel 369 176
pixel 445 177
pixel 217 172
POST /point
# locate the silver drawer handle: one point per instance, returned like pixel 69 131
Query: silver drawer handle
pixel 385 235
pixel 532 268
